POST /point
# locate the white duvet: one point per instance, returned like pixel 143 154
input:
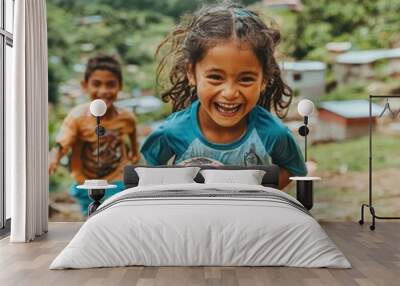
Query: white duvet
pixel 206 230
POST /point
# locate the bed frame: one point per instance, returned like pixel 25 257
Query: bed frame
pixel 270 179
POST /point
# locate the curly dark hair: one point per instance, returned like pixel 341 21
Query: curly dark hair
pixel 189 41
pixel 104 62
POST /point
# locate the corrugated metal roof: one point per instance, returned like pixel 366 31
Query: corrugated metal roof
pixel 302 66
pixel 366 57
pixel 352 108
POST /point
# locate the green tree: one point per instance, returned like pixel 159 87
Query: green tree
pixel 367 24
pixel 61 48
pixel 173 8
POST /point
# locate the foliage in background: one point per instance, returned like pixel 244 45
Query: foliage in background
pixel 352 155
pixel 355 90
pixel 133 35
pixel 368 24
pixel 131 29
pixel 61 48
pixel 172 8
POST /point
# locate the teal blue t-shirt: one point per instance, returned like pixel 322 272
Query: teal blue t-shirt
pixel 267 140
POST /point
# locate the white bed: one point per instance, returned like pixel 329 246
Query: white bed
pixel 222 225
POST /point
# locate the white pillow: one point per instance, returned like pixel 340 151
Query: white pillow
pixel 166 176
pixel 248 177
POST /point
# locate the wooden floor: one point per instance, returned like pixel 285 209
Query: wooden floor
pixel 374 255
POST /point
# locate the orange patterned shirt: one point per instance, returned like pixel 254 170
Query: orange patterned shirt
pixel 78 132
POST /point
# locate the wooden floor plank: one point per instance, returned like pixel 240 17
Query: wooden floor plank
pixel 374 255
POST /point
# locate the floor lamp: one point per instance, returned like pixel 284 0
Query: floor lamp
pixel 97 188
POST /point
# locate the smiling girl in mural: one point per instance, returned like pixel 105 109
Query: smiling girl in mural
pixel 102 80
pixel 224 81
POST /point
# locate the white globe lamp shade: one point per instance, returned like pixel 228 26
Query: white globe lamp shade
pixel 305 107
pixel 98 107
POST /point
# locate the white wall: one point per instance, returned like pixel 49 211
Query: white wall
pixel 310 85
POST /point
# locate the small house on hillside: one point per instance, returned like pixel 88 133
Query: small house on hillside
pixel 306 78
pixel 337 48
pixel 360 64
pixel 340 120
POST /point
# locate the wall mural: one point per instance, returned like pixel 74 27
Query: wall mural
pixel 174 95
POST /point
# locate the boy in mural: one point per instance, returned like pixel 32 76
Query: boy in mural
pixel 224 82
pixel 102 80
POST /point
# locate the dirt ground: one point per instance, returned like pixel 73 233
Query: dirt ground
pixel 337 197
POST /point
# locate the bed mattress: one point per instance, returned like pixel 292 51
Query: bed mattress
pixel 201 225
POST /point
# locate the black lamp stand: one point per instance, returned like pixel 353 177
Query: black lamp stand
pixel 304 193
pixel 303 131
pixel 97 194
pixel 304 187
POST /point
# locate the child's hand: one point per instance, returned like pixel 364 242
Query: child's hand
pixel 134 159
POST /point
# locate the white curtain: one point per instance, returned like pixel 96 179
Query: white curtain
pixel 26 124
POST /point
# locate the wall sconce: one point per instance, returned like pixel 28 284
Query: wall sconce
pixel 304 185
pixel 305 109
pixel 97 188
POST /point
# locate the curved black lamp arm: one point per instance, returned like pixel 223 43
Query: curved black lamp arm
pixel 303 131
pixel 100 131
